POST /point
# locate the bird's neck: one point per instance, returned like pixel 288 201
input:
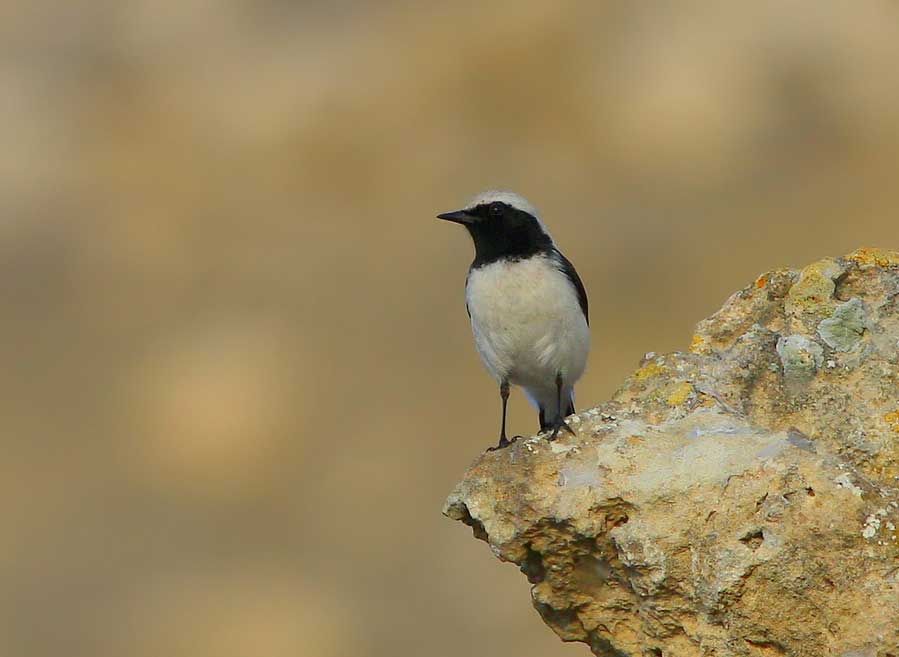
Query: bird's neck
pixel 492 245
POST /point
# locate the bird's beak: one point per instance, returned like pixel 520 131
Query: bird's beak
pixel 459 217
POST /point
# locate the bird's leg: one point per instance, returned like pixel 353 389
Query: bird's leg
pixel 559 422
pixel 504 395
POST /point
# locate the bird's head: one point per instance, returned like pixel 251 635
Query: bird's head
pixel 502 225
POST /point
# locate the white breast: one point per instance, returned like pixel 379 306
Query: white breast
pixel 527 322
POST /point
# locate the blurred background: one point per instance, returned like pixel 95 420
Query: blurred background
pixel 237 376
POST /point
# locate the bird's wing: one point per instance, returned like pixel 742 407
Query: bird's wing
pixel 565 266
pixel 467 309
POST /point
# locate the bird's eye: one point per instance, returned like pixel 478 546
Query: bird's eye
pixel 496 209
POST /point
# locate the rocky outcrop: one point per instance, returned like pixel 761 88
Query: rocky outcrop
pixel 741 498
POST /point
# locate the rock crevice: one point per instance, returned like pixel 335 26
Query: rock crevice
pixel 741 498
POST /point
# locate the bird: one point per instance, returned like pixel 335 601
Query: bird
pixel 527 306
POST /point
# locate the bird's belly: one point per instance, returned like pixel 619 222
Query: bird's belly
pixel 527 323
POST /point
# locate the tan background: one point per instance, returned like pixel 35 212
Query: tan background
pixel 237 377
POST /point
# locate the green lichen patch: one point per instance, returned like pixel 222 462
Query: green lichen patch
pixel 845 328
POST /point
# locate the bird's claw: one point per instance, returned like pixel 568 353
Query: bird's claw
pixel 561 424
pixel 503 443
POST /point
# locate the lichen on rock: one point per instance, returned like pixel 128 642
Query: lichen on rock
pixel 739 499
pixel 800 358
pixel 844 329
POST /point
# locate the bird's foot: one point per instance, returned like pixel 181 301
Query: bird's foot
pixel 557 427
pixel 503 442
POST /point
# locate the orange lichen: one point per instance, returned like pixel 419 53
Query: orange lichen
pixel 648 371
pixel 705 401
pixel 892 419
pixel 679 394
pixel 698 344
pixel 761 282
pixel 814 287
pixel 879 257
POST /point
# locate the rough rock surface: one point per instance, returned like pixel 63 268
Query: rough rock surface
pixel 738 499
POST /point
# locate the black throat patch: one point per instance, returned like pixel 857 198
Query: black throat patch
pixel 502 232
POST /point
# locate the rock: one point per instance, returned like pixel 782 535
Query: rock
pixel 737 499
pixel 800 359
pixel 844 329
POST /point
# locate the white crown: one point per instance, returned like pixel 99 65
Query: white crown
pixel 509 198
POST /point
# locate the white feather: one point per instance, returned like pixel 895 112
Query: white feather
pixel 509 198
pixel 528 327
